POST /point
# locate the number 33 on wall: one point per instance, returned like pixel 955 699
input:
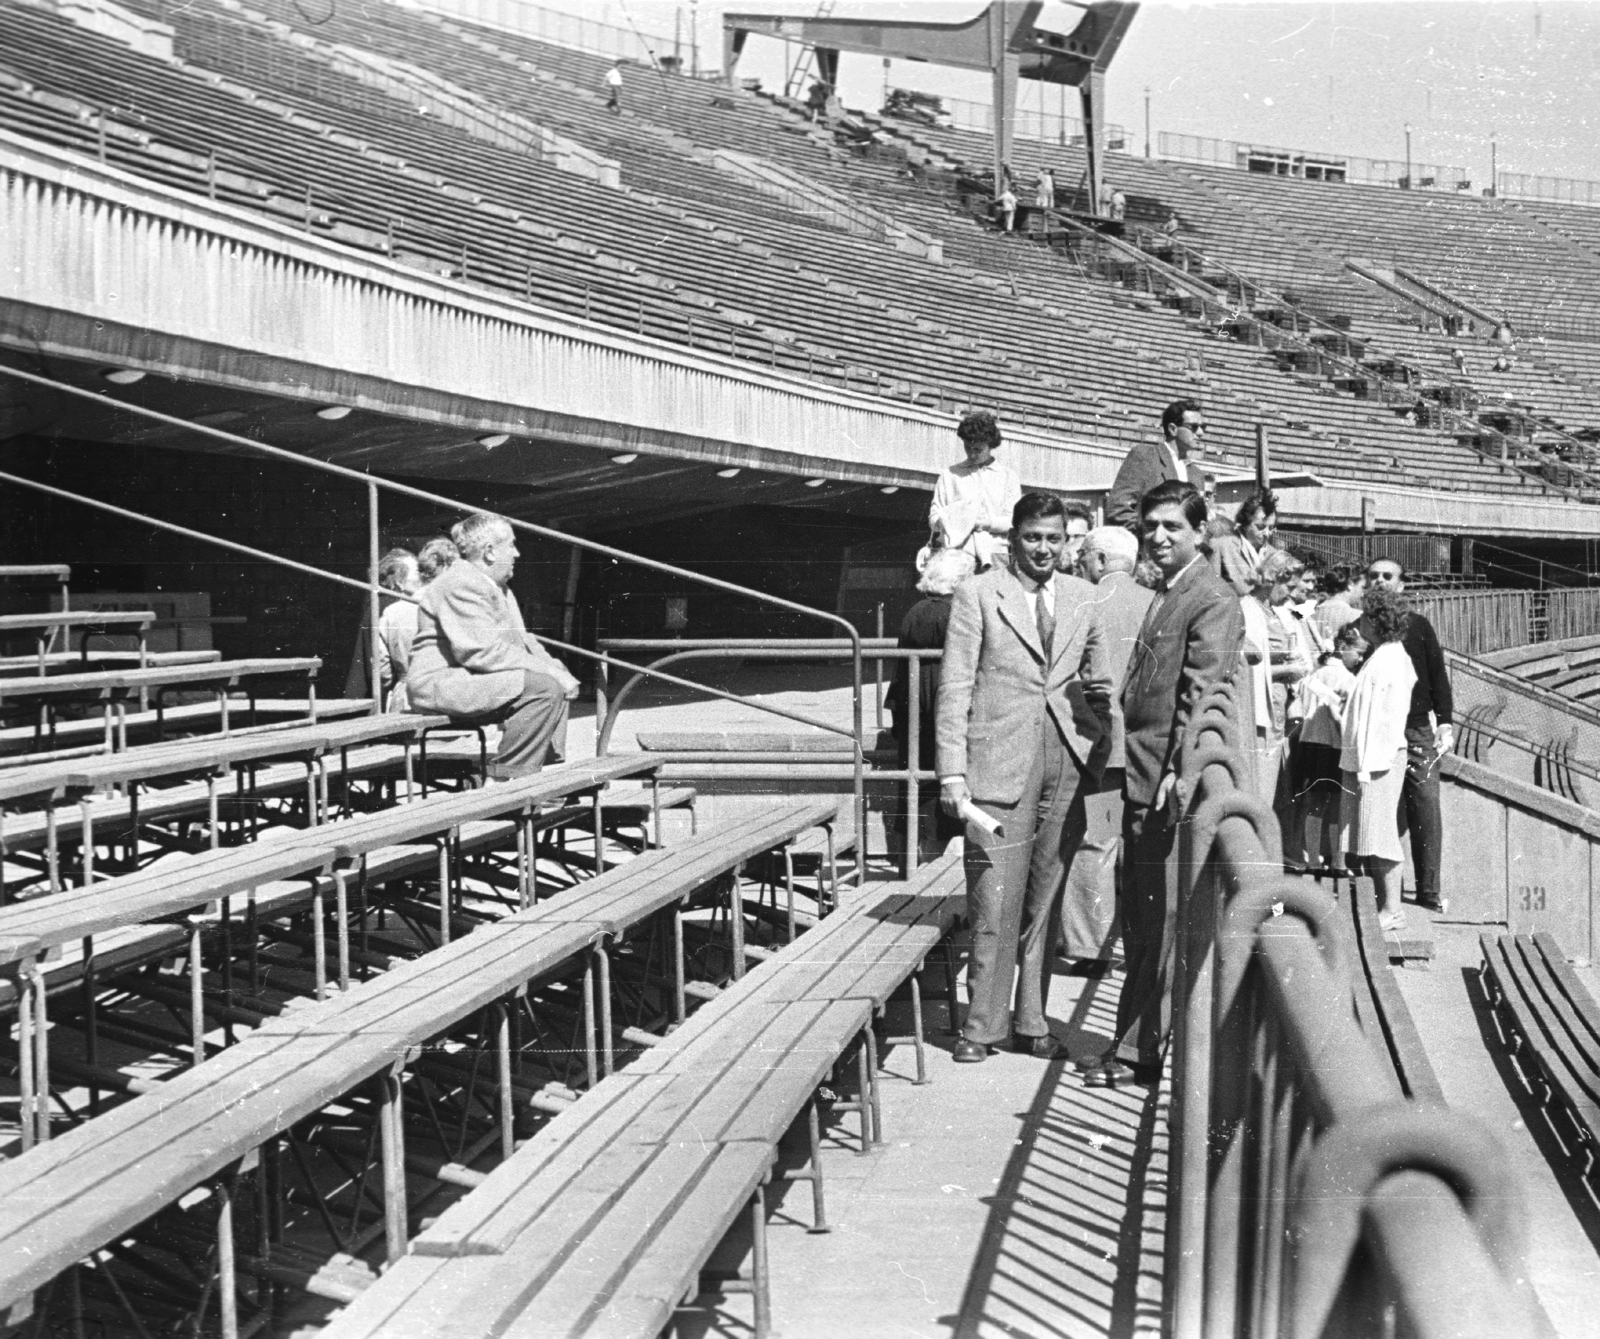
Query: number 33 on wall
pixel 1531 897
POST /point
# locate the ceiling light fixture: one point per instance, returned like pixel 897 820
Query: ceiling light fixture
pixel 493 439
pixel 727 474
pixel 626 458
pixel 815 483
pixel 892 488
pixel 123 376
pixel 334 412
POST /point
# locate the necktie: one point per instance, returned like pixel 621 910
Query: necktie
pixel 1045 619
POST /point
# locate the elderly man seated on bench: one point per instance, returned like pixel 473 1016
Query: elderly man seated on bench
pixel 474 661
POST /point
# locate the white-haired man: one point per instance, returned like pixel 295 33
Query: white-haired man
pixel 1089 905
pixel 474 660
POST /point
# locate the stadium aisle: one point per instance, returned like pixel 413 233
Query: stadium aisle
pixel 1459 1035
pixel 1009 1200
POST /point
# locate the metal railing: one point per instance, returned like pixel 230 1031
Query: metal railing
pixel 1557 190
pixel 1033 123
pixel 880 650
pixel 1473 622
pixel 374 486
pixel 1307 1195
pixel 569 30
pixel 1309 164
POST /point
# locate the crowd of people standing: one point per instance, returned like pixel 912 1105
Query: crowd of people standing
pixel 1073 656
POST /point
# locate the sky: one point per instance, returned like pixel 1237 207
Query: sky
pixel 1344 77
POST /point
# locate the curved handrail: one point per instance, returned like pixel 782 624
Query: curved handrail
pixel 1292 1145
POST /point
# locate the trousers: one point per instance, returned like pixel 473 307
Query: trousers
pixel 1089 904
pixel 1149 929
pixel 1014 883
pixel 532 727
pixel 1419 811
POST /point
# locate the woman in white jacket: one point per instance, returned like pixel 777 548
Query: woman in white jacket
pixel 1373 755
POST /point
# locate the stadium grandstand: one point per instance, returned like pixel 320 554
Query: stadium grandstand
pixel 321 1019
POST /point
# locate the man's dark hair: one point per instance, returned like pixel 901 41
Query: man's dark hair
pixel 1399 566
pixel 1036 506
pixel 1073 510
pixel 1185 495
pixel 1349 635
pixel 979 428
pixel 1340 577
pixel 1385 612
pixel 1172 415
pixel 1262 502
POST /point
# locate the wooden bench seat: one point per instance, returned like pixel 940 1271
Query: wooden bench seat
pixel 1552 1024
pixel 99 661
pixel 120 683
pixel 307 1057
pixel 600 1224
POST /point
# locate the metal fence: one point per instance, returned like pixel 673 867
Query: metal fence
pixel 570 30
pixel 1309 163
pixel 1480 620
pixel 1557 190
pixel 1307 1194
pixel 1035 123
pixel 1415 553
pixel 1570 612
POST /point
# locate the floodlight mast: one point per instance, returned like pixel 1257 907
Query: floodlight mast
pixel 996 39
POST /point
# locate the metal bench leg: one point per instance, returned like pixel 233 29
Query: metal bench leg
pixel 872 1095
pixel 444 890
pixel 599 833
pixel 410 783
pixel 227 1298
pixel 197 994
pixel 607 1059
pixel 759 1282
pixel 88 988
pixel 951 996
pixel 588 1022
pixel 831 899
pixel 508 1099
pixel 813 1172
pixel 52 848
pixel 25 1067
pixel 863 1102
pixel 391 1115
pixel 788 884
pixel 319 945
pixel 680 1004
pixel 655 808
pixel 736 919
pixel 213 824
pixel 341 911
pixel 916 1025
pixel 86 841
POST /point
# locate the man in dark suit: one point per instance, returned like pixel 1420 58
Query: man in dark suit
pixel 1192 637
pixel 1089 905
pixel 1013 742
pixel 1183 425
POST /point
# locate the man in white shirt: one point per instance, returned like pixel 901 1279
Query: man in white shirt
pixel 1176 456
pixel 1023 729
pixel 972 500
pixel 614 87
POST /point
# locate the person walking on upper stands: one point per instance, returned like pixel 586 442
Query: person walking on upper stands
pixel 1024 728
pixel 1006 204
pixel 1373 754
pixel 973 499
pixel 924 628
pixel 436 555
pixel 1175 456
pixel 1079 519
pixel 1119 206
pixel 1089 904
pixel 1191 638
pixel 1343 584
pixel 614 87
pixel 1430 732
pixel 1236 557
pixel 1044 192
pixel 397 624
pixel 474 660
pixel 1172 226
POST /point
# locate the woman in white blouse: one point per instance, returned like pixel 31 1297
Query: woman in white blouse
pixel 972 500
pixel 1373 755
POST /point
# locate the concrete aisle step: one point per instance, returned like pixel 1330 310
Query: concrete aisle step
pixel 1458 1033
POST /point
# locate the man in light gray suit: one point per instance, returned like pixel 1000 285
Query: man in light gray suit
pixel 1089 905
pixel 474 660
pixel 1016 744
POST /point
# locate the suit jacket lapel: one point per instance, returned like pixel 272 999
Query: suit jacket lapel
pixel 1017 610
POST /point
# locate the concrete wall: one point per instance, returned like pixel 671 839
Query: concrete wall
pixel 1519 855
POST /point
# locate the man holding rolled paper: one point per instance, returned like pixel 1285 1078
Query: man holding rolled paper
pixel 1023 731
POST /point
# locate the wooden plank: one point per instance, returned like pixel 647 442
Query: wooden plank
pixel 642 1302
pixel 1574 990
pixel 1563 1027
pixel 417 1297
pixel 629 1275
pixel 1397 1027
pixel 76 618
pixel 115 682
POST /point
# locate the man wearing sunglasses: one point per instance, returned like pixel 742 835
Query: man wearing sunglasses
pixel 1430 734
pixel 1176 456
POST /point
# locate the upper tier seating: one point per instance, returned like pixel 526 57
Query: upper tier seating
pixel 683 252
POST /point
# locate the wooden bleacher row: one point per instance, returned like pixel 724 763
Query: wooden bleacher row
pixel 1551 1026
pixel 72 1196
pixel 856 329
pixel 602 1222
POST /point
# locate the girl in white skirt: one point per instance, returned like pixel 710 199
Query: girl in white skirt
pixel 1373 755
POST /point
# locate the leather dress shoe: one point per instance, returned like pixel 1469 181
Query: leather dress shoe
pixel 1041 1048
pixel 1116 1074
pixel 1089 1062
pixel 969 1052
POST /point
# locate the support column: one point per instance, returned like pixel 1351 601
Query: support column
pixel 1093 93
